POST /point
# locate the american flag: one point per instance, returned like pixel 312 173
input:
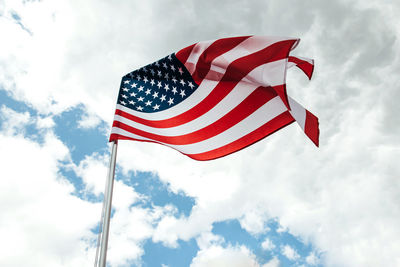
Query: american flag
pixel 213 98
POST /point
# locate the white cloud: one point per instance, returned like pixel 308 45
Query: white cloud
pixel 93 171
pixel 208 239
pixel 272 263
pixel 42 224
pixel 268 244
pixel 45 122
pixel 312 259
pixel 254 222
pixel 13 122
pixel 290 253
pixel 217 256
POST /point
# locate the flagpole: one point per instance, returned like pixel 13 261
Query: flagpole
pixel 107 206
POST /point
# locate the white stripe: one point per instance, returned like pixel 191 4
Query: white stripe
pixel 261 116
pixel 116 130
pixel 297 112
pixel 238 94
pixel 309 60
pixel 270 74
pixel 247 47
pixel 195 54
pixel 290 64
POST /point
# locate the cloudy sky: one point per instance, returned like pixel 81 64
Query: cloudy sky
pixel 280 202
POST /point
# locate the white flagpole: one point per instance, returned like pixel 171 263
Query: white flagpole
pixel 107 206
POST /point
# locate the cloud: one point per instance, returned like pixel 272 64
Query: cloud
pixel 290 253
pixel 268 244
pixel 312 259
pixel 45 122
pixel 208 239
pixel 254 222
pixel 42 223
pixel 89 121
pixel 219 257
pixel 16 124
pixel 92 170
pixel 272 263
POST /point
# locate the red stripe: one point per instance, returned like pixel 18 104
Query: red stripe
pixel 274 52
pixel 184 53
pixel 253 102
pixel 312 127
pixel 267 129
pixel 114 137
pixel 235 72
pixel 305 66
pixel 216 49
pixel 178 120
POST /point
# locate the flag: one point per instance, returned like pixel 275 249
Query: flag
pixel 213 98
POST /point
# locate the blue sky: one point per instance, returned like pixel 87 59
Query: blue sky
pixel 280 202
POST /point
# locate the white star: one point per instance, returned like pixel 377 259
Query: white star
pixel 155 94
pixel 152 82
pixel 139 108
pixel 134 85
pixel 144 69
pixel 166 76
pixel 159 85
pixel 182 93
pixel 173 79
pixel 182 82
pixel 174 90
pixel 148 91
pixel 126 82
pixel 125 89
pixel 148 103
pixel 162 98
pixel 133 94
pixel 122 102
pixel 170 101
pixel 159 73
pixel 165 65
pixel 152 72
pixel 125 96
pixel 170 57
pixel 156 107
pixel 138 77
pixel 131 102
pixel 157 64
pixel 140 99
pixel 140 88
pixel 145 79
pixel 191 85
pixel 173 68
pixel 166 87
pixel 180 71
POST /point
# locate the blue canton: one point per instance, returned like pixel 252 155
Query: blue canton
pixel 157 86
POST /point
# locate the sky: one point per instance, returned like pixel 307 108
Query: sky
pixel 280 202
